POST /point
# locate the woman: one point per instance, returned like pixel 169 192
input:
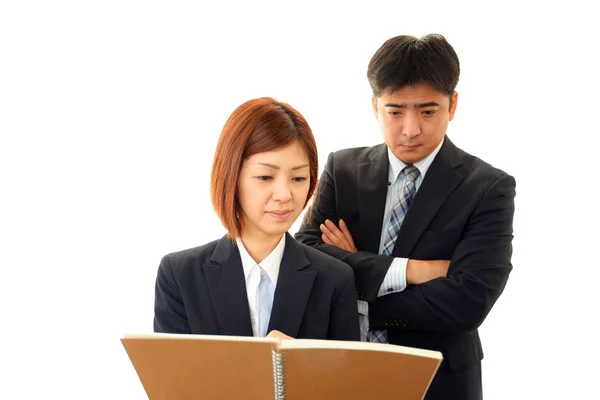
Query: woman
pixel 258 280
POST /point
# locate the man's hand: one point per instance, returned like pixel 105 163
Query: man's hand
pixel 417 271
pixel 338 237
pixel 278 335
pixel 421 271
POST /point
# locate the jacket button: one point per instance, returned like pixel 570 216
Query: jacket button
pixel 360 295
pixel 387 322
pixel 404 322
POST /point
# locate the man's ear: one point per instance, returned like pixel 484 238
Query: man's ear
pixel 374 104
pixel 453 101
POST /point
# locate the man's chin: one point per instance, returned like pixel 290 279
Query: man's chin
pixel 409 156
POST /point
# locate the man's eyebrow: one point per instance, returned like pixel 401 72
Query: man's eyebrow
pixel 396 105
pixel 419 105
pixel 428 104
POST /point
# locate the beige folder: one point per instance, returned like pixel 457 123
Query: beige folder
pixel 182 367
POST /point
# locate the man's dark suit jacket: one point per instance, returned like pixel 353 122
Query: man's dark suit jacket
pixel 203 291
pixel 463 212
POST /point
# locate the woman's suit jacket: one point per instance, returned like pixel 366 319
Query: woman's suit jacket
pixel 203 291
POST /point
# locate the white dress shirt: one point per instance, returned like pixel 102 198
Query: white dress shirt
pixel 261 280
pixel 395 279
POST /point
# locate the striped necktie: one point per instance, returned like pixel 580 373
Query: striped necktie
pixel 398 213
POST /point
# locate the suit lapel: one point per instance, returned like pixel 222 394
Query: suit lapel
pixel 293 289
pixel 441 179
pixel 227 288
pixel 372 183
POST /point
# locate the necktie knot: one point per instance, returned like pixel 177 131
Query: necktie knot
pixel 411 172
pixel 263 275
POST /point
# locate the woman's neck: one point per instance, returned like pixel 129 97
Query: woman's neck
pixel 259 246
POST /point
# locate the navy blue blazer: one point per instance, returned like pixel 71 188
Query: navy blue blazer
pixel 203 291
pixel 462 212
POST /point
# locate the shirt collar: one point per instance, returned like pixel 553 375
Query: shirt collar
pixel 270 264
pixel 396 165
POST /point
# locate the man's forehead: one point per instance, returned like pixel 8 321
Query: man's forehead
pixel 413 96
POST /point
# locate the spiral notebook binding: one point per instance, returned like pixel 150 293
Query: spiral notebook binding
pixel 278 374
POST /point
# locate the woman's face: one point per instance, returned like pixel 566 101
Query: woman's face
pixel 272 190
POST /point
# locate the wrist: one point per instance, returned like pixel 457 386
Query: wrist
pixel 410 272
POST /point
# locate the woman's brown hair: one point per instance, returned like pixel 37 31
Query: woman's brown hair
pixel 257 126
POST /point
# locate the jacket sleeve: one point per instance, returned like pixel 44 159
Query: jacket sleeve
pixel 344 311
pixel 477 275
pixel 169 311
pixel 369 268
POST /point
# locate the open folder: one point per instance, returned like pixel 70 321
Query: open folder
pixel 182 367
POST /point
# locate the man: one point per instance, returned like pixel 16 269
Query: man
pixel 426 227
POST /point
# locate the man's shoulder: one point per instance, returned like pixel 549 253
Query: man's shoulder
pixel 364 151
pixel 481 168
pixel 357 155
pixel 475 166
pixel 478 177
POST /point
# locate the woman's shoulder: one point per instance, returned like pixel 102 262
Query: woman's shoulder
pixel 192 256
pixel 323 261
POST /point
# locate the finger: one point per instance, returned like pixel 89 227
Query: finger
pixel 326 240
pixel 333 239
pixel 330 238
pixel 274 332
pixel 346 232
pixel 278 335
pixel 336 231
pixel 323 228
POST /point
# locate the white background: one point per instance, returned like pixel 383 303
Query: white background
pixel 109 116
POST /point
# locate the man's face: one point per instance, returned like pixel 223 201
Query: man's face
pixel 413 120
